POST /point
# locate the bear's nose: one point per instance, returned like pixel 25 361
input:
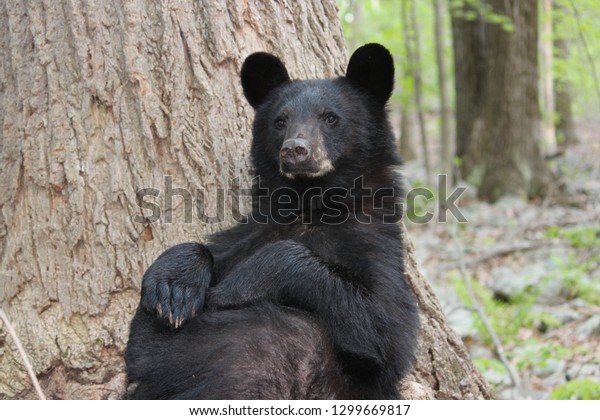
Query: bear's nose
pixel 294 151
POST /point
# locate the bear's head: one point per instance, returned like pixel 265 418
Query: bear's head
pixel 325 132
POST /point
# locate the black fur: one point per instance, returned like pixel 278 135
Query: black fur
pixel 371 67
pixel 307 299
pixel 261 73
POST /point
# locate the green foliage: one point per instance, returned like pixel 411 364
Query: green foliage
pixel 532 353
pixel 484 364
pixel 381 21
pixel 579 237
pixel 510 318
pixel 579 389
pixel 576 22
pixel 542 321
pixel 493 370
pixel 473 9
pixel 577 285
pixel 506 318
pixel 574 268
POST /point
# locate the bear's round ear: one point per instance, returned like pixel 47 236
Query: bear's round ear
pixel 371 68
pixel 261 73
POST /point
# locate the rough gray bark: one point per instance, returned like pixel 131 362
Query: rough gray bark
pixel 99 100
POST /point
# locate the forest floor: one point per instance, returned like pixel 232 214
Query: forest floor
pixel 520 281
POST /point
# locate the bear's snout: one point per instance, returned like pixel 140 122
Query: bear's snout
pixel 304 158
pixel 294 151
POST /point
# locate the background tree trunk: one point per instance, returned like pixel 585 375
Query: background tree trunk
pixel 563 101
pixel 563 97
pixel 546 47
pixel 407 111
pixel 445 111
pixel 99 100
pixel 469 73
pixel 407 152
pixel 501 151
pixel 511 116
pixel 413 51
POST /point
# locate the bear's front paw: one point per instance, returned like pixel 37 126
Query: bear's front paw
pixel 175 284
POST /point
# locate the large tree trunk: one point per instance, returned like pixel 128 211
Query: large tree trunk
pixel 501 150
pixel 98 101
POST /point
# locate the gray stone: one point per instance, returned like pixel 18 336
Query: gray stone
pixel 479 213
pixel 447 297
pixel 550 367
pixel 509 283
pixel 470 190
pixel 529 215
pixel 553 291
pixel 565 315
pixel 461 320
pixel 510 202
pixel 497 378
pixel 585 371
pixel 478 351
pixel 523 393
pixel 556 316
pixel 590 327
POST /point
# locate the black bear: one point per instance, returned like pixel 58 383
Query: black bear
pixel 306 299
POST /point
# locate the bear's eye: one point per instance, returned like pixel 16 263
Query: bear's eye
pixel 331 118
pixel 280 123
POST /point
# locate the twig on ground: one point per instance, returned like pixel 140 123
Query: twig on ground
pixel 26 362
pixel 475 307
pixel 506 249
pixel 514 377
pixel 594 218
pixel 500 251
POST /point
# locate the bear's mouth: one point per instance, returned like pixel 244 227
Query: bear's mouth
pixel 303 158
pixel 312 172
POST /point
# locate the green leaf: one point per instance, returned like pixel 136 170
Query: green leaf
pixel 579 389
